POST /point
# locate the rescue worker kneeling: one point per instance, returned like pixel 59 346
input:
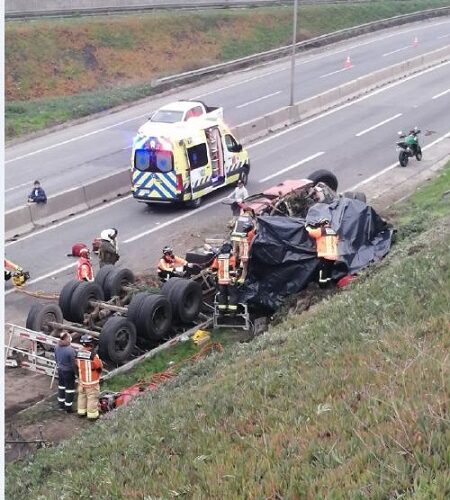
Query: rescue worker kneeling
pixel 170 265
pixel 225 264
pixel 327 243
pixel 89 370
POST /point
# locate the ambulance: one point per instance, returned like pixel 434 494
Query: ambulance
pixel 182 162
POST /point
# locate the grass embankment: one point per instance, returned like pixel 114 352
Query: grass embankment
pixel 350 400
pixel 62 69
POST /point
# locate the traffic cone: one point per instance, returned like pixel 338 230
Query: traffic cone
pixel 415 42
pixel 348 63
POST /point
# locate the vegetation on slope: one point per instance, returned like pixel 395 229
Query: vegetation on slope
pixel 61 69
pixel 350 400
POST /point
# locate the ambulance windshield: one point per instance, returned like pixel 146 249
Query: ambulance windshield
pixel 167 116
pixel 153 161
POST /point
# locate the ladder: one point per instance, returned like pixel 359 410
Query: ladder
pixel 239 320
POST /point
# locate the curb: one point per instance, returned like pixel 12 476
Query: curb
pixel 26 218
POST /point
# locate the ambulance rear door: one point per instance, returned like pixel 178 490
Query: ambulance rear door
pixel 199 166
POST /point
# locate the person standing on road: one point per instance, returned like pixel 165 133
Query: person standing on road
pixel 89 370
pixel 85 271
pixel 66 365
pixel 38 194
pixel 108 251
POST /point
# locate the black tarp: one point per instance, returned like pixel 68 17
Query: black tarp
pixel 283 257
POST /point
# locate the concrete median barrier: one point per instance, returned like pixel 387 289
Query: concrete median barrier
pixel 18 221
pixel 107 188
pixel 58 207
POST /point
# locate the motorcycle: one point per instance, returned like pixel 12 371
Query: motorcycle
pixel 408 146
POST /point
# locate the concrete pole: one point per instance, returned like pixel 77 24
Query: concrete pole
pixel 294 41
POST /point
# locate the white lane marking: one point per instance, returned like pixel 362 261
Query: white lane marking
pixel 395 51
pixel 295 165
pixel 29 183
pixel 45 276
pixel 335 72
pixel 70 219
pixel 257 143
pixel 184 216
pixel 381 172
pixel 441 94
pixel 359 134
pixel 73 139
pixel 347 104
pixel 173 221
pixel 259 99
pixel 443 36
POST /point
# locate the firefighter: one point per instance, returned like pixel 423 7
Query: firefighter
pixel 108 252
pixel 225 264
pixel 326 242
pixel 65 361
pixel 85 271
pixel 242 236
pixel 168 264
pixel 89 370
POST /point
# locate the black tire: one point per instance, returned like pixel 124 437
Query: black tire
pixel 102 275
pixel 134 308
pixel 155 318
pixel 326 177
pixel 116 280
pixel 419 153
pixel 117 340
pixel 403 158
pixel 244 175
pixel 185 297
pixel 65 298
pixel 83 294
pixel 39 316
pixel 194 203
pixel 356 195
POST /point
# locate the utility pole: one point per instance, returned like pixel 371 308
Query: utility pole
pixel 294 41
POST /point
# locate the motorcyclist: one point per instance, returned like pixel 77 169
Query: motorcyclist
pixel 170 265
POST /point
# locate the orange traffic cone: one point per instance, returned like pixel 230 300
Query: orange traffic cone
pixel 348 63
pixel 415 42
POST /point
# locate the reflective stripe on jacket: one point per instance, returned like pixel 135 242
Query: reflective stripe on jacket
pixel 224 264
pixel 84 270
pixel 326 241
pixel 89 367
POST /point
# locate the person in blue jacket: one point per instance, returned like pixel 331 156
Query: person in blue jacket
pixel 38 194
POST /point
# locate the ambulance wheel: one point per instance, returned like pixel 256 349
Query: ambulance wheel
pixel 186 298
pixel 81 298
pixel 326 177
pixel 116 280
pixel 194 203
pixel 102 275
pixel 155 318
pixel 117 340
pixel 65 298
pixel 244 176
pixel 40 315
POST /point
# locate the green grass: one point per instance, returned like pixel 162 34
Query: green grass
pixel 350 400
pixel 64 69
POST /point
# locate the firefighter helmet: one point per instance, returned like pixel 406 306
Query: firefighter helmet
pixel 167 250
pixel 86 339
pixel 85 252
pixel 247 227
pixel 227 247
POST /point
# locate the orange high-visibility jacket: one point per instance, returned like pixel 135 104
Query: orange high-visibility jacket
pixel 84 270
pixel 171 263
pixel 225 264
pixel 89 367
pixel 326 241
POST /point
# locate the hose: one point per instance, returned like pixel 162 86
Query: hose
pixel 39 294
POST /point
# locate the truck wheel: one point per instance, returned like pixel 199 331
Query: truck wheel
pixel 186 298
pixel 65 298
pixel 116 280
pixel 134 308
pixel 117 340
pixel 40 315
pixel 80 303
pixel 355 195
pixel 102 275
pixel 326 177
pixel 155 317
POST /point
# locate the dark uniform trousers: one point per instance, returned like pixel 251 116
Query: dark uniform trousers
pixel 66 389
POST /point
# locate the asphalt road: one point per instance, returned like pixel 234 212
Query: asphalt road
pixel 91 150
pixel 356 141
